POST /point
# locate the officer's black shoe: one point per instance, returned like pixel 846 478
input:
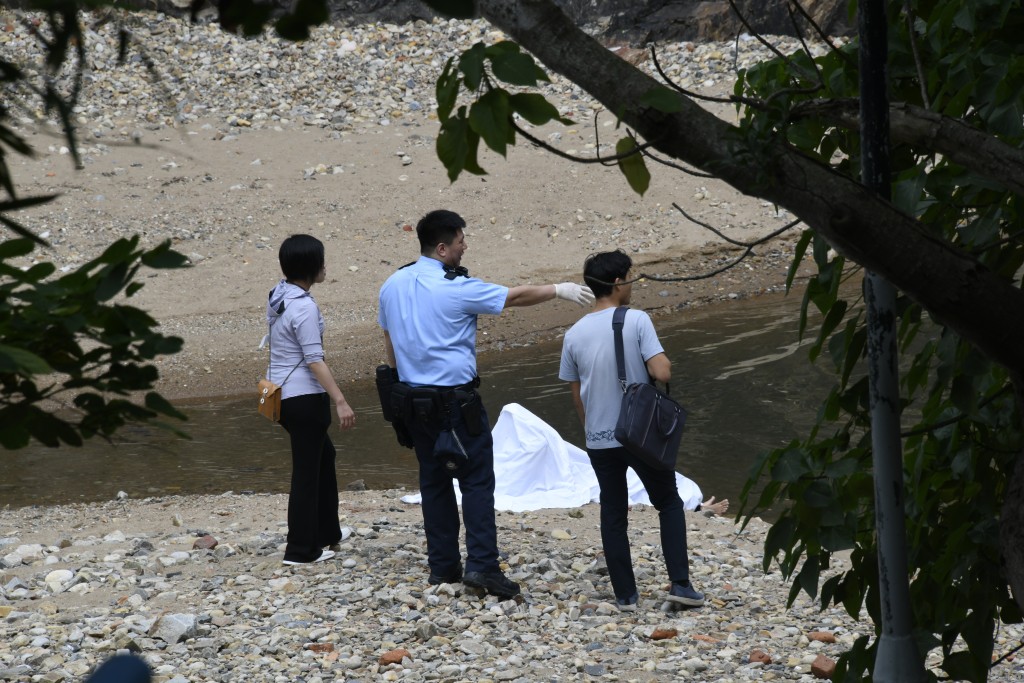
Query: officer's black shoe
pixel 454 577
pixel 494 583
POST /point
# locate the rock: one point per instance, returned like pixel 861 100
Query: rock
pixel 32 552
pixel 206 542
pixel 663 633
pixel 10 561
pixel 57 579
pixel 174 628
pixel 759 657
pixel 822 636
pixel 823 667
pixel 357 485
pixel 320 647
pixel 426 630
pixel 394 657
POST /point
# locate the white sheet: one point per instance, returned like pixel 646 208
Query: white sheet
pixel 535 468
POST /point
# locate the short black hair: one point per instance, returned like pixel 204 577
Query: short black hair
pixel 436 227
pixel 301 257
pixel 606 266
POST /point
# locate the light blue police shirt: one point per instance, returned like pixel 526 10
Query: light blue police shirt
pixel 432 322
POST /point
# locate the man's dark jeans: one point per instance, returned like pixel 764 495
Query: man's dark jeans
pixel 610 467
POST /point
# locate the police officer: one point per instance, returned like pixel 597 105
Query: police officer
pixel 428 311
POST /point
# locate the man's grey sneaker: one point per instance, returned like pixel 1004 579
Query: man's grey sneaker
pixel 684 594
pixel 627 604
pixel 494 583
pixel 438 579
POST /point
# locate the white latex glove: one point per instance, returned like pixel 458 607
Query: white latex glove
pixel 578 294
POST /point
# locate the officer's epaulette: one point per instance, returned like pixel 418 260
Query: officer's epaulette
pixel 407 264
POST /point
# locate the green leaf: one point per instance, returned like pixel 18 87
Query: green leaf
pixel 251 17
pixel 798 257
pixel 112 282
pixel 163 256
pixel 790 467
pixel 517 68
pixel 472 145
pixel 489 118
pixel 807 579
pixel 818 494
pixel 446 90
pixel 15 247
pixel 17 360
pixel 452 145
pixel 832 319
pixel 663 99
pixel 633 166
pixel 471 64
pixel 778 539
pixel 964 19
pixel 159 404
pixel 295 24
pixel 533 107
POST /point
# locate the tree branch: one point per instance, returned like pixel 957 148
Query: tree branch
pixel 980 152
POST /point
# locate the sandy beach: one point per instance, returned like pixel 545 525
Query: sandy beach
pixel 231 160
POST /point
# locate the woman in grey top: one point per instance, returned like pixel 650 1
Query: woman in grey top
pixel 307 391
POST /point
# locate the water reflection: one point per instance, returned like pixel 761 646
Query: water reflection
pixel 738 367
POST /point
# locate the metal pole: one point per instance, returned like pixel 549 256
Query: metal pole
pixel 897 659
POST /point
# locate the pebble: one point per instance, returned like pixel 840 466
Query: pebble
pixel 236 613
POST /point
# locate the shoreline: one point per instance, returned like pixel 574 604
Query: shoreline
pixel 182 382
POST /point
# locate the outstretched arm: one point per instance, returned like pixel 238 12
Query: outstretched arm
pixel 529 295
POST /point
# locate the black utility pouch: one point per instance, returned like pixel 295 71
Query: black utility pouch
pixel 424 405
pixel 472 414
pixel 403 435
pixel 449 450
pixel 396 395
pixel 387 378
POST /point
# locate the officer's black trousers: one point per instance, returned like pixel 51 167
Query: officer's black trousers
pixel 440 510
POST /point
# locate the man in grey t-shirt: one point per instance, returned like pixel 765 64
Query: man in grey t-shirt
pixel 588 364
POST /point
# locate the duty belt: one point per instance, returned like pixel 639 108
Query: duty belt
pixel 468 386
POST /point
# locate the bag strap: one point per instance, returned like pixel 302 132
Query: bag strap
pixel 618 319
pixel 270 347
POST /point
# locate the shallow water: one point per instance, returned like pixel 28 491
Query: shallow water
pixel 739 369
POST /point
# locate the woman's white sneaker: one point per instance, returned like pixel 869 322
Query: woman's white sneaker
pixel 324 556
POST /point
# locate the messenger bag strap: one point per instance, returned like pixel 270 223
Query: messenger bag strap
pixel 618 318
